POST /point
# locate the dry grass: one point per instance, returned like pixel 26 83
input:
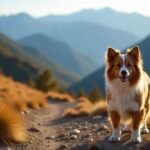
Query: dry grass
pixel 85 108
pixel 64 97
pixel 11 125
pixel 19 95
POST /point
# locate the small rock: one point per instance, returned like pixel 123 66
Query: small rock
pixel 95 125
pixel 90 139
pixel 33 129
pixel 75 131
pixel 74 137
pixel 94 130
pixel 102 127
pixel 63 146
pixel 50 137
pixel 86 127
pixel 62 135
pixel 30 142
pixel 89 135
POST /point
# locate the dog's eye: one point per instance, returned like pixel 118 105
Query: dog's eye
pixel 129 65
pixel 118 65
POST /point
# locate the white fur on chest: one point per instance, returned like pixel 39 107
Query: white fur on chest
pixel 122 97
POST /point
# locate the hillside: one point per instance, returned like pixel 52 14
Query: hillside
pixel 88 38
pixel 25 63
pixel 60 53
pixel 134 23
pixel 97 77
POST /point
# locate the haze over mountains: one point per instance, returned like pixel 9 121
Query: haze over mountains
pixel 96 79
pixel 81 34
pixel 134 23
pixel 72 46
pixel 61 54
pixel 24 63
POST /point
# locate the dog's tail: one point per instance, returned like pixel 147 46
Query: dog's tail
pixel 12 127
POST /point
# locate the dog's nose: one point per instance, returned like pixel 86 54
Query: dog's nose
pixel 123 72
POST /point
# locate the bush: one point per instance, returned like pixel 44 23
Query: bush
pixel 95 94
pixel 46 82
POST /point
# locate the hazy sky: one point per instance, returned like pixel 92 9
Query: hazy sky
pixel 44 7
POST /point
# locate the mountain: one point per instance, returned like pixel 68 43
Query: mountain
pixel 24 63
pixel 87 38
pixel 96 79
pixel 60 53
pixel 90 39
pixel 134 23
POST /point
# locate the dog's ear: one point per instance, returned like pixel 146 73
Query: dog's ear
pixel 111 54
pixel 134 52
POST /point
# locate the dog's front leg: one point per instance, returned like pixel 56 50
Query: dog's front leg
pixel 115 118
pixel 137 118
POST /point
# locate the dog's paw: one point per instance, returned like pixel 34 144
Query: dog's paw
pixel 114 139
pixel 145 131
pixel 136 140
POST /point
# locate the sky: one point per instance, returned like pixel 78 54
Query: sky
pixel 38 8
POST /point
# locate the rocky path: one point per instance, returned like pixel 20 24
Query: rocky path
pixel 49 131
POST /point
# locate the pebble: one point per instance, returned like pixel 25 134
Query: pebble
pixel 102 127
pixel 50 137
pixel 90 139
pixel 33 129
pixel 74 137
pixel 30 142
pixel 85 128
pixel 75 131
pixel 63 146
pixel 62 135
pixel 89 135
pixel 95 125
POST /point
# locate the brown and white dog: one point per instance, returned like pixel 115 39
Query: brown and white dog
pixel 127 92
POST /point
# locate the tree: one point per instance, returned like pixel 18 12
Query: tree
pixel 95 94
pixel 82 93
pixel 46 82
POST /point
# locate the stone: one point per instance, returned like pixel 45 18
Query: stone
pixel 75 131
pixel 90 139
pixel 50 137
pixel 33 129
pixel 74 137
pixel 63 146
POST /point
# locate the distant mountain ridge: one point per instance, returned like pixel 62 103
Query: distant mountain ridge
pixel 61 54
pixel 24 63
pixel 96 79
pixel 133 23
pixel 88 38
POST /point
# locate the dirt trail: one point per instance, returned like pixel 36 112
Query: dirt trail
pixel 48 131
pixel 40 129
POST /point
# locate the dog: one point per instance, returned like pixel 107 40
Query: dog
pixel 127 92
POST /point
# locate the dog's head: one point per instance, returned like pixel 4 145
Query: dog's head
pixel 125 67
